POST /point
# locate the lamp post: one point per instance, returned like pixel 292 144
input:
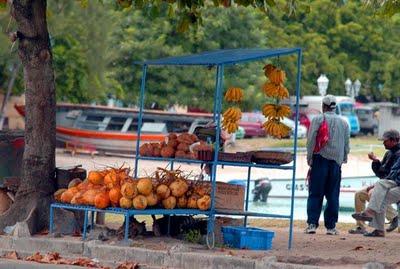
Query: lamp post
pixel 352 89
pixel 323 83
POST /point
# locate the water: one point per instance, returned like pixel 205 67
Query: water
pixel 279 197
pixel 281 206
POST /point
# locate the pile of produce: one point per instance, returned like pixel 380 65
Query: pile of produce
pixel 233 114
pixel 114 187
pixel 274 113
pixel 175 146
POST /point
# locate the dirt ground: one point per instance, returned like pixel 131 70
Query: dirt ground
pixel 343 250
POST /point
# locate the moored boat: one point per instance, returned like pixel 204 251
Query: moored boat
pixel 112 129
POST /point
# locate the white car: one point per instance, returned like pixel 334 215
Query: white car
pixel 301 129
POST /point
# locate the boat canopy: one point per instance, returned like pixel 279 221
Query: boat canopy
pixel 221 57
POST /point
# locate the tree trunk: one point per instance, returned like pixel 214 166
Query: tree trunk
pixel 37 185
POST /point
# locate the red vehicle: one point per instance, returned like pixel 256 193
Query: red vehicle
pixel 306 115
pixel 252 124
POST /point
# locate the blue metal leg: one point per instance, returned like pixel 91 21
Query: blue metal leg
pixel 247 195
pixel 126 234
pixel 92 220
pixel 51 219
pixel 169 225
pixel 299 57
pixel 85 223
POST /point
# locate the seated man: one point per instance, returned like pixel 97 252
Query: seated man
pixel 381 169
pixel 386 192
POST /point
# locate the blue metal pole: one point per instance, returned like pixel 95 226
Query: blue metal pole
pixel 140 119
pixel 215 96
pixel 247 194
pixel 126 234
pixel 51 219
pixel 299 58
pixel 92 219
pixel 217 113
pixel 85 222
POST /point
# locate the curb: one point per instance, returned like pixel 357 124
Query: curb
pixel 112 254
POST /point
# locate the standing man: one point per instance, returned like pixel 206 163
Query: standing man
pixel 381 169
pixel 325 165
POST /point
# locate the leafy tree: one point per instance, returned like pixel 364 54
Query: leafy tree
pixel 37 185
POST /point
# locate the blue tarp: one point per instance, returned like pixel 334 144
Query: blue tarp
pixel 219 57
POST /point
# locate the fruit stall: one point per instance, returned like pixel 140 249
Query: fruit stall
pixel 170 191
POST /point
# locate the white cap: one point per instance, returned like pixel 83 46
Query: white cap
pixel 330 101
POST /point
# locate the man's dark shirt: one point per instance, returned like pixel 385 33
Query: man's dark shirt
pixel 390 164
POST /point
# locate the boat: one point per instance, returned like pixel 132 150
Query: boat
pixel 105 129
pixel 282 189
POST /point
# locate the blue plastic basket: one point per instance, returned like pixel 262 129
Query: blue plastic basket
pixel 247 237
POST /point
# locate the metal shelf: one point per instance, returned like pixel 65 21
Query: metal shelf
pixel 170 159
pixel 266 166
pixel 132 212
pixel 241 164
pixel 250 214
pixel 126 212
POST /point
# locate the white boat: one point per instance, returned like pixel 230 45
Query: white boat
pixel 282 189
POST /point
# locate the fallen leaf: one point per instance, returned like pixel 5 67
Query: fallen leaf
pixel 51 257
pixel 13 255
pixel 128 265
pixel 34 258
pixel 358 248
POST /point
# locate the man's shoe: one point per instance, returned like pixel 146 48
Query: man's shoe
pixel 361 216
pixel 357 230
pixel 311 229
pixel 393 225
pixel 375 233
pixel 332 231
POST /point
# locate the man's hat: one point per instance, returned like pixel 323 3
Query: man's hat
pixel 330 101
pixel 390 134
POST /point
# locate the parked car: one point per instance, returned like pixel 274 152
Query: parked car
pixel 252 124
pixel 368 119
pixel 301 129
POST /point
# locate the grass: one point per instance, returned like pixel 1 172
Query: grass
pixel 358 145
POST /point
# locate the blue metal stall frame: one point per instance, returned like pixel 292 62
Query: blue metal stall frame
pixel 220 59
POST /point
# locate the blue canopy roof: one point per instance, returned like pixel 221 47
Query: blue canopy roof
pixel 226 57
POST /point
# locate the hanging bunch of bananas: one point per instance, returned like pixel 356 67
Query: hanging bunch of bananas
pixel 275 90
pixel 230 123
pixel 274 74
pixel 271 111
pixel 276 128
pixel 234 94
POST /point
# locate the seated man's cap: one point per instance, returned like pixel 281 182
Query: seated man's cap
pixel 329 100
pixel 390 134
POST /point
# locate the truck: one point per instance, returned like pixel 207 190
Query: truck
pixel 344 108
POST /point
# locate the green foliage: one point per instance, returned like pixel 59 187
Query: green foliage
pixel 94 47
pixel 192 236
